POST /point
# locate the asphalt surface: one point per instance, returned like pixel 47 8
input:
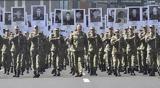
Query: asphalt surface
pixel 66 80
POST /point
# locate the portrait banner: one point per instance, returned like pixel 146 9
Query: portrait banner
pixel 95 17
pixel 79 16
pixel 110 17
pixel 38 15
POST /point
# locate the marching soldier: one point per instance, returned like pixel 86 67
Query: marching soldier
pixel 94 42
pixel 131 50
pixel 151 40
pixel 79 43
pixel 6 59
pixel 14 51
pixel 143 51
pixel 108 50
pixel 35 51
pixel 27 59
pixel 56 48
pixel 102 64
pixel 116 41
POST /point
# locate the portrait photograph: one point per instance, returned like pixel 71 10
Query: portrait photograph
pixel 144 13
pixel 7 18
pixel 1 15
pixel 134 14
pixel 154 13
pixel 18 14
pixel 111 15
pixel 95 14
pixel 57 15
pixel 38 12
pixel 79 15
pixel 121 15
pixel 68 17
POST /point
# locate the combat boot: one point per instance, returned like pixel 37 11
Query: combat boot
pixel 132 71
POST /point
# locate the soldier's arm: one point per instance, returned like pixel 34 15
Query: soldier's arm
pixel 86 42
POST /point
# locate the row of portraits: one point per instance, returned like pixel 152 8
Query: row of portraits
pixel 71 17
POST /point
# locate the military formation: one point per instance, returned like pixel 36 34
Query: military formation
pixel 116 52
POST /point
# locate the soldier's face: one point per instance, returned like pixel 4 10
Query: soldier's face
pixel 79 28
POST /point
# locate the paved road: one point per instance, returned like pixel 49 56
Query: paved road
pixel 67 81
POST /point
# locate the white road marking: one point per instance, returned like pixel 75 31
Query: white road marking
pixel 86 80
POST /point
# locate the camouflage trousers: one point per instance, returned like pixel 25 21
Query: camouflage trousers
pixel 79 61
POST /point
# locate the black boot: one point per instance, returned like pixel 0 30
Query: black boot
pixel 58 73
pixel 152 72
pixel 12 69
pixel 91 71
pixel 125 70
pixel 132 71
pixel 94 71
pixel 15 72
pixel 145 70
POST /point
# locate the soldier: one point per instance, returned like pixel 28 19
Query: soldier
pixel 6 59
pixel 124 48
pixel 27 59
pixel 102 64
pixel 79 43
pixel 108 50
pixel 116 41
pixel 143 51
pixel 14 51
pixel 151 40
pixel 72 59
pixel 94 42
pixel 131 49
pixel 35 51
pixel 20 56
pixel 56 48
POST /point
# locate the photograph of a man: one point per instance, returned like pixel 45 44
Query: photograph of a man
pixel 134 14
pixel 38 13
pixel 18 14
pixel 68 17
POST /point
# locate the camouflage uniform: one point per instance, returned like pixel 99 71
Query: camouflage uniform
pixel 94 42
pixel 79 42
pixel 151 40
pixel 131 50
pixel 56 49
pixel 6 57
pixel 116 42
pixel 108 50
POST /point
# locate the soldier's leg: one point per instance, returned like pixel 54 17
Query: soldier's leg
pixel 129 61
pixel 139 60
pixel 91 57
pixel 80 63
pixel 145 66
pixel 8 62
pixel 133 63
pixel 18 63
pixel 53 56
pixel 109 62
pixel 125 60
pixel 33 62
pixel 95 63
